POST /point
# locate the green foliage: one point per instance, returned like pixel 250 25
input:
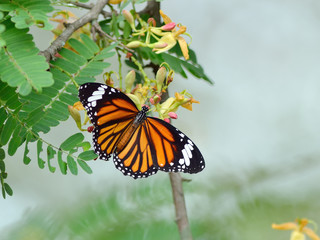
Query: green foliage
pixel 25 13
pixel 35 94
pixel 20 64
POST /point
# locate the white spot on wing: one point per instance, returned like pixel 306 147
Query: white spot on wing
pixel 94 98
pixel 186 158
pixel 187 148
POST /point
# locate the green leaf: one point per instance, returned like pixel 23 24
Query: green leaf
pixel 8 189
pixel 175 64
pixel 7 130
pixel 81 48
pixel 89 43
pixel 72 142
pixel 85 146
pixel 15 141
pixel 41 163
pixel 3 116
pixel 84 166
pixel 26 159
pixel 62 164
pixel 2 166
pixel 20 63
pixel 35 116
pixel 50 154
pixel 28 13
pixel 2 154
pixel 3 192
pixel 72 57
pixel 87 155
pixel 72 165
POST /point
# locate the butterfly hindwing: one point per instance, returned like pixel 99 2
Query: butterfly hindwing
pixel 174 151
pixel 136 158
pixel 110 111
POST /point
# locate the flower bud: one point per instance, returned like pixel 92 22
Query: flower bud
pixel 168 27
pixel 90 129
pixel 128 16
pixel 135 44
pixel 155 99
pixel 129 80
pixel 115 1
pixel 152 21
pixel 160 76
pixel 166 120
pixel 135 99
pixel 75 115
pixel 173 115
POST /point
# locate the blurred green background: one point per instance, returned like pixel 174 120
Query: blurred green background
pixel 257 127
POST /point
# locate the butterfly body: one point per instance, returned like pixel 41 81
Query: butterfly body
pixel 140 145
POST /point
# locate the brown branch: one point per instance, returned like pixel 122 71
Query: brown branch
pixel 180 206
pixel 57 44
pixel 89 6
pixel 100 31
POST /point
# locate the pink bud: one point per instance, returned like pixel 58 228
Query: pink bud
pixel 173 115
pixel 166 120
pixel 168 26
pixel 160 45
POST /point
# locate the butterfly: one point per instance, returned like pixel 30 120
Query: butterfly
pixel 141 145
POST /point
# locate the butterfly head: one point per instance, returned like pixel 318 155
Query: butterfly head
pixel 145 108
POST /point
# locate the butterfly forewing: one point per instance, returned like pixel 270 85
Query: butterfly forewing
pixel 110 111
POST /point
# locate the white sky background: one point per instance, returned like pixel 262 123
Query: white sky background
pixel 263 110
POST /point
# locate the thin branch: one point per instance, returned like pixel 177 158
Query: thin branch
pixel 57 44
pixel 180 206
pixel 89 6
pixel 100 31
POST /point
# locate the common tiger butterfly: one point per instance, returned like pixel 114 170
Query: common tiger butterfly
pixel 140 145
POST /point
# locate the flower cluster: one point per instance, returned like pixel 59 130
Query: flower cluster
pixel 166 36
pixel 299 229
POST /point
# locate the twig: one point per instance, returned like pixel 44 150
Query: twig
pixel 180 206
pixel 100 31
pixel 57 44
pixel 87 6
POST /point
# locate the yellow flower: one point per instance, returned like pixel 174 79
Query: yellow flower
pixel 115 1
pixel 78 106
pixel 299 229
pixel 172 37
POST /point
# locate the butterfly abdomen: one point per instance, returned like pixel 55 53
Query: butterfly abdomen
pixel 126 136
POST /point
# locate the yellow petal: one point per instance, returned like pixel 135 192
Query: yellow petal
pixel 311 234
pixel 187 105
pixel 184 47
pixel 296 235
pixel 165 18
pixel 78 106
pixel 285 226
pixel 169 39
pixel 115 1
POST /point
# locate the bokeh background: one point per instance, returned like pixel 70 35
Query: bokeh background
pixel 257 127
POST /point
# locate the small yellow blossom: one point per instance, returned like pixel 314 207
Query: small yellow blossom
pixel 188 104
pixel 182 42
pixel 299 229
pixel 78 105
pixel 115 1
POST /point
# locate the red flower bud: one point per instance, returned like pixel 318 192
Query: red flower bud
pixel 90 129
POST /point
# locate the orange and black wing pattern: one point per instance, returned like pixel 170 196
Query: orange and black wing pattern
pixel 111 113
pixel 157 145
pixel 140 145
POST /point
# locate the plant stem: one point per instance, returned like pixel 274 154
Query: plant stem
pixel 180 206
